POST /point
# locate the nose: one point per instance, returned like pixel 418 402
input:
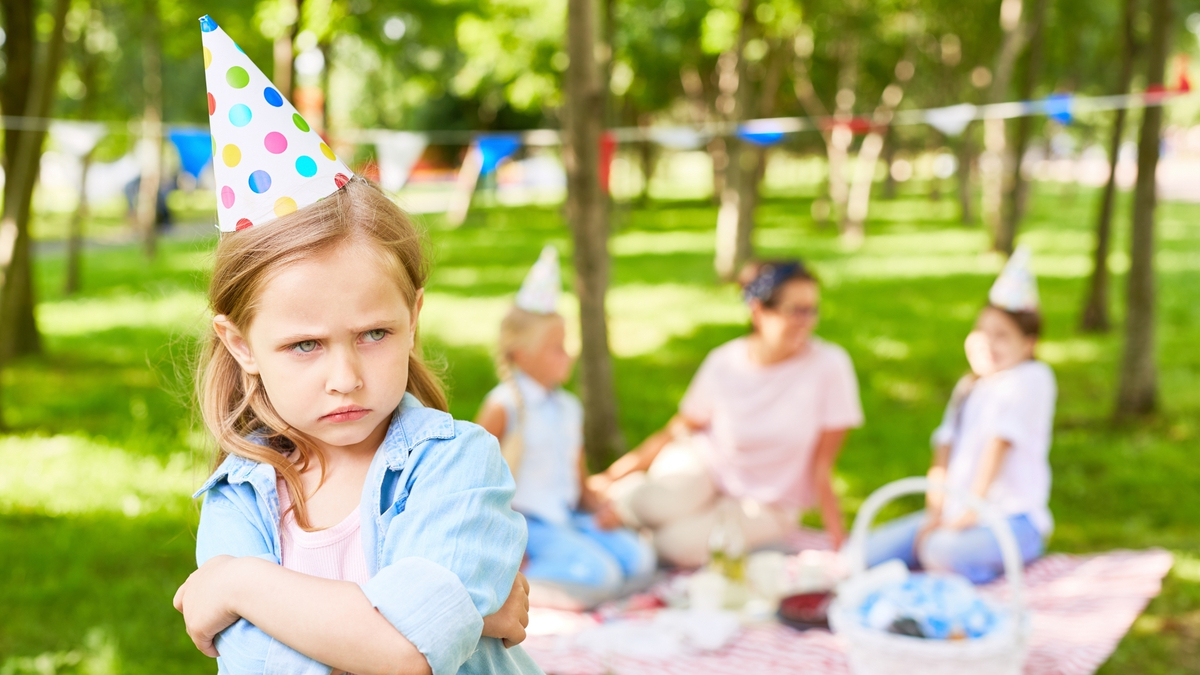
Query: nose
pixel 345 371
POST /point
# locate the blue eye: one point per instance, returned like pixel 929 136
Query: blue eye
pixel 375 335
pixel 305 346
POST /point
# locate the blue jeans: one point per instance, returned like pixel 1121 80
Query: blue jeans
pixel 579 553
pixel 974 553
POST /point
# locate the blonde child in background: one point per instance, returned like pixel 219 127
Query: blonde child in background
pixel 572 558
pixel 350 524
pixel 994 442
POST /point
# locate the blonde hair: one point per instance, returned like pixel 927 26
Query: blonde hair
pixel 233 403
pixel 520 329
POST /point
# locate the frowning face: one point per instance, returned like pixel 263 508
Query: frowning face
pixel 330 340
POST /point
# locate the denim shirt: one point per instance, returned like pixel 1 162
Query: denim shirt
pixel 441 542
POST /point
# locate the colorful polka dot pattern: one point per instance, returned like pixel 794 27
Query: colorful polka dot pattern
pixel 270 162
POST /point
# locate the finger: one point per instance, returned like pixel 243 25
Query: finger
pixel 524 582
pixel 507 644
pixel 520 637
pixel 525 620
pixel 205 644
pixel 197 640
pixel 177 601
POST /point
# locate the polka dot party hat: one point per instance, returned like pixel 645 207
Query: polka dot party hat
pixel 1016 287
pixel 267 161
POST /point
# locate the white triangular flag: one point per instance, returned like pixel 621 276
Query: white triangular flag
pixel 951 120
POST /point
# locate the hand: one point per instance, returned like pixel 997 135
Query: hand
pixel 202 599
pixel 599 483
pixel 606 516
pixel 510 621
pixel 964 522
pixel 837 539
pixel 927 528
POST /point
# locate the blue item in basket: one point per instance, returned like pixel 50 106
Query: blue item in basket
pixel 942 606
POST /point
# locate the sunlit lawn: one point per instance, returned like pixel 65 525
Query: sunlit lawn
pixel 96 525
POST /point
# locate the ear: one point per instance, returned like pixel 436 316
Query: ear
pixel 416 312
pixel 235 342
pixel 756 309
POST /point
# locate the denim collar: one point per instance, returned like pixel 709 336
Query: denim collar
pixel 411 425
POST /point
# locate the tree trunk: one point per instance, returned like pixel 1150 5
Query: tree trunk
pixel 841 135
pixel 755 157
pixel 836 138
pixel 283 53
pixel 75 236
pixel 1016 187
pixel 18 326
pixel 735 219
pixel 859 197
pixel 964 153
pixel 647 153
pixel 1095 307
pixel 147 206
pixel 584 117
pixel 996 156
pixel 889 158
pixel 87 69
pixel 1138 389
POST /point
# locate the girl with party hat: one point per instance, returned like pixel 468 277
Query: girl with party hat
pixel 350 523
pixel 576 556
pixel 994 442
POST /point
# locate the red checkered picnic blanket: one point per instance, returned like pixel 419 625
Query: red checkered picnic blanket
pixel 1081 607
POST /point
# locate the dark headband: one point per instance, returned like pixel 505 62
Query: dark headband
pixel 769 278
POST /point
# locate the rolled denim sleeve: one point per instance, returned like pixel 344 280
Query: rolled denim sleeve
pixel 244 649
pixel 453 551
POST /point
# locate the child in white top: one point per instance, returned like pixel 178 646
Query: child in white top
pixel 575 557
pixel 994 442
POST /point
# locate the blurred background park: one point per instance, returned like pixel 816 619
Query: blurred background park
pixel 899 146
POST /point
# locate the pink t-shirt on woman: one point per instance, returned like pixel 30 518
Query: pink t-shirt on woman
pixel 333 553
pixel 761 423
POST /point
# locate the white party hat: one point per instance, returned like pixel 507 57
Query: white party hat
pixel 267 161
pixel 539 291
pixel 1016 287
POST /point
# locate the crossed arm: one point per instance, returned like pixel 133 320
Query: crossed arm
pixel 333 620
pixel 451 555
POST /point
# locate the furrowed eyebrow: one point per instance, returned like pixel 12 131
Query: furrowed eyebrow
pixel 293 339
pixel 304 337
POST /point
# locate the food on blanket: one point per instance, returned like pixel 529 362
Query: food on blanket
pixel 706 590
pixel 934 606
pixel 812 571
pixel 766 572
pixel 727 544
pixel 906 625
pixel 806 610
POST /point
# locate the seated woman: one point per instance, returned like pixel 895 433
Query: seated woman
pixel 572 561
pixel 757 433
pixel 994 442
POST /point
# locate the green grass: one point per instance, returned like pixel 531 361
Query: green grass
pixel 95 523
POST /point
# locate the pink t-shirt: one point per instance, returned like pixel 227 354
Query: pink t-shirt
pixel 333 553
pixel 762 422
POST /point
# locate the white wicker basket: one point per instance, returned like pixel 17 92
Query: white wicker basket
pixel 873 652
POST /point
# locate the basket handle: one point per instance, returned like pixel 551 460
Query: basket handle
pixel 856 550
